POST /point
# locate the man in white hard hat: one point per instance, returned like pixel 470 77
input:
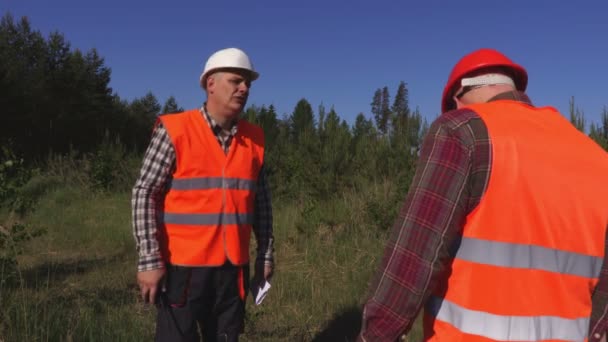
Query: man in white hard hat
pixel 201 191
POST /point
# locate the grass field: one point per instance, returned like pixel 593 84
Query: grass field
pixel 76 282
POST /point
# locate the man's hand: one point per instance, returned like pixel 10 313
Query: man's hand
pixel 262 272
pixel 149 284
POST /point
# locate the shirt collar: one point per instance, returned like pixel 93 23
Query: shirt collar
pixel 215 127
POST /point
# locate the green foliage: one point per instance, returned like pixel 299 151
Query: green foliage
pixel 14 174
pixel 385 109
pixel 141 116
pixel 599 132
pixel 267 119
pixel 55 97
pixel 401 107
pixel 577 116
pixel 380 110
pixel 77 282
pixel 310 218
pixel 171 106
pixel 109 168
pixel 302 122
pixel 12 244
pixel 250 114
pixel 308 158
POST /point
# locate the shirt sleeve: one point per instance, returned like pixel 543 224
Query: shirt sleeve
pixel 418 248
pixel 262 226
pixel 155 173
pixel 599 314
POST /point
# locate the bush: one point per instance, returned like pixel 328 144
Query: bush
pixel 111 168
pixel 13 175
pixel 12 242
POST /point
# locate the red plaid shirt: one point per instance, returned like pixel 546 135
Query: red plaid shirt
pixel 451 177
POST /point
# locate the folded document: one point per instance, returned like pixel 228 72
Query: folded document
pixel 259 291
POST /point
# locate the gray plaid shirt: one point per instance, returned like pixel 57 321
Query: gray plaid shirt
pixel 150 188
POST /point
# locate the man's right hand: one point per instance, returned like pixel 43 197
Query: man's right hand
pixel 149 284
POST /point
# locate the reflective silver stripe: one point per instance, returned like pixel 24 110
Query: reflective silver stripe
pixel 528 256
pixel 208 219
pixel 204 183
pixel 508 328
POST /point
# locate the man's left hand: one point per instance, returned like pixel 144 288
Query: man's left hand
pixel 263 272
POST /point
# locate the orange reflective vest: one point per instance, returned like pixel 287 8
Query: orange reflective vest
pixel 531 252
pixel 209 207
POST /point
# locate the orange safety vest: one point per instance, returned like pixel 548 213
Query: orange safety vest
pixel 209 207
pixel 531 252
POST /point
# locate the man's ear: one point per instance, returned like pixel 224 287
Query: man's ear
pixel 458 103
pixel 210 83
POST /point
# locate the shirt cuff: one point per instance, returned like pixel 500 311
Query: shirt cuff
pixel 265 252
pixel 148 262
pixel 264 258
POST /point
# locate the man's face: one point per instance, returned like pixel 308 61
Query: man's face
pixel 229 90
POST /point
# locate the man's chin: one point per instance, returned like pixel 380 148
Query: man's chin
pixel 238 106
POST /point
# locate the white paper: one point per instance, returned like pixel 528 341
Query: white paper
pixel 260 291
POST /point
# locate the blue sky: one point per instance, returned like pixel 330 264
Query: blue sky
pixel 336 52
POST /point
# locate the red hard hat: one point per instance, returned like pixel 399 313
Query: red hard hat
pixel 480 59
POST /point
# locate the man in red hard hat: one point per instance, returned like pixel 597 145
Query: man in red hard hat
pixel 202 190
pixel 502 235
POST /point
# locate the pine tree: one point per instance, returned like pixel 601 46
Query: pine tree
pixel 577 117
pixel 251 114
pixel 302 120
pixel 599 132
pixel 335 155
pixel 321 124
pixel 171 106
pixel 386 110
pixel 401 112
pixel 363 129
pixel 143 112
pixel 267 119
pixel 377 110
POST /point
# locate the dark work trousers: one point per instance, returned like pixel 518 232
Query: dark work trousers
pixel 205 298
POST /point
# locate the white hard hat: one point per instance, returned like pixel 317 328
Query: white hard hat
pixel 228 58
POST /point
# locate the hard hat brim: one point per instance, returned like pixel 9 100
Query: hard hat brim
pixel 254 75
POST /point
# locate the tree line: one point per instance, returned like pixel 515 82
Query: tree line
pixel 56 99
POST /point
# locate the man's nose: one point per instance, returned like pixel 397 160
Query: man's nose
pixel 243 87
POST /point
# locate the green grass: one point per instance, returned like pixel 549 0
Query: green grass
pixel 77 281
